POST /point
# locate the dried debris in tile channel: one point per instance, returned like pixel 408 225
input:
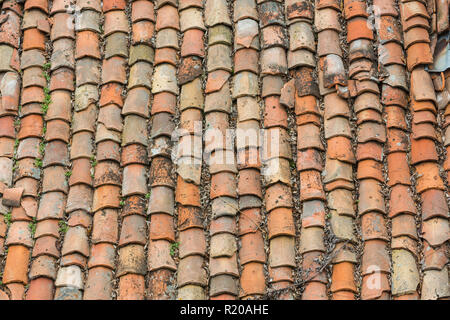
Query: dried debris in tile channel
pixel 146 149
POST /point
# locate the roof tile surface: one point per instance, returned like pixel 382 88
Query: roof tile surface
pixel 255 149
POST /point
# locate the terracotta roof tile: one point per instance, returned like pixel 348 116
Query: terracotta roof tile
pixel 17 257
pixel 40 289
pixel 340 281
pixel 385 8
pixel 298 10
pixel 412 9
pixel 401 201
pixel 327 19
pixel 192 18
pixel 245 9
pixel 111 148
pixel 328 43
pixel 321 4
pixel 193 43
pixel 131 287
pixel 131 260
